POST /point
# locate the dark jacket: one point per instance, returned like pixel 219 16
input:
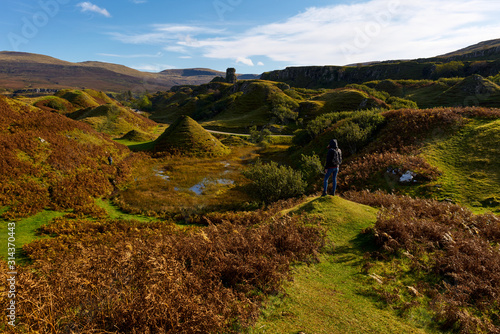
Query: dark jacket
pixel 332 147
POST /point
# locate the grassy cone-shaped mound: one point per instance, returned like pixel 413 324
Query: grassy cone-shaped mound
pixel 137 136
pixel 186 136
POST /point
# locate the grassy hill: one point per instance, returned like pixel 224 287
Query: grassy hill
pixel 258 103
pixel 51 161
pixel 469 163
pixel 473 90
pixel 186 136
pixel 451 152
pixel 113 120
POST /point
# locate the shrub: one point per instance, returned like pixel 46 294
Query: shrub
pixel 259 137
pixel 272 182
pixel 312 168
pixel 399 103
pixel 454 253
pixel 130 277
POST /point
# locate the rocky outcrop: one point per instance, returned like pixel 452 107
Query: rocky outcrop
pixel 231 75
pixel 339 76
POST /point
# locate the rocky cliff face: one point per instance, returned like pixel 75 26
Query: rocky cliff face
pixel 339 76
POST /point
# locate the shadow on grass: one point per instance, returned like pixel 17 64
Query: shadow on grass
pixel 148 146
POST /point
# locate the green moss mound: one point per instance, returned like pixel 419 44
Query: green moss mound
pixel 78 98
pixel 474 90
pixel 186 136
pixel 55 104
pixel 348 99
pixel 137 136
pixel 113 120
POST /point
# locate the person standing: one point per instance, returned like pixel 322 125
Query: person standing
pixel 333 161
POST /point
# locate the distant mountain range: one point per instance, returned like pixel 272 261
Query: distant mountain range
pixel 20 70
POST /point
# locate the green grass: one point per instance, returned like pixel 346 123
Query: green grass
pixel 25 229
pixel 331 296
pixel 470 163
pixel 115 213
pixel 25 232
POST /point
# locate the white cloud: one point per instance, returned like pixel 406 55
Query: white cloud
pixel 90 7
pixel 340 34
pixel 244 61
pixel 159 54
pixel 153 67
pixel 373 30
pixel 166 33
pixel 260 63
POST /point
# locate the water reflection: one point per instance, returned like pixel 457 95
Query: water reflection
pixel 162 174
pixel 199 187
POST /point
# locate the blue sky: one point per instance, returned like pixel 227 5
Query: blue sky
pixel 252 35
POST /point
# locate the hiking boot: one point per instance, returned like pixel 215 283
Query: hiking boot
pixel 323 194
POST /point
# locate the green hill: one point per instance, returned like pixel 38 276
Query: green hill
pixel 79 98
pixel 186 136
pixel 346 100
pixel 113 120
pixel 55 104
pixel 69 100
pixel 473 90
pixel 258 103
pixel 469 161
pixel 451 152
pixel 228 106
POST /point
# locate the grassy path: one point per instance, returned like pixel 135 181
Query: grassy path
pixel 333 296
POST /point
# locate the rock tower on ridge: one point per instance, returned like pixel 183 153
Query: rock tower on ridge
pixel 231 75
